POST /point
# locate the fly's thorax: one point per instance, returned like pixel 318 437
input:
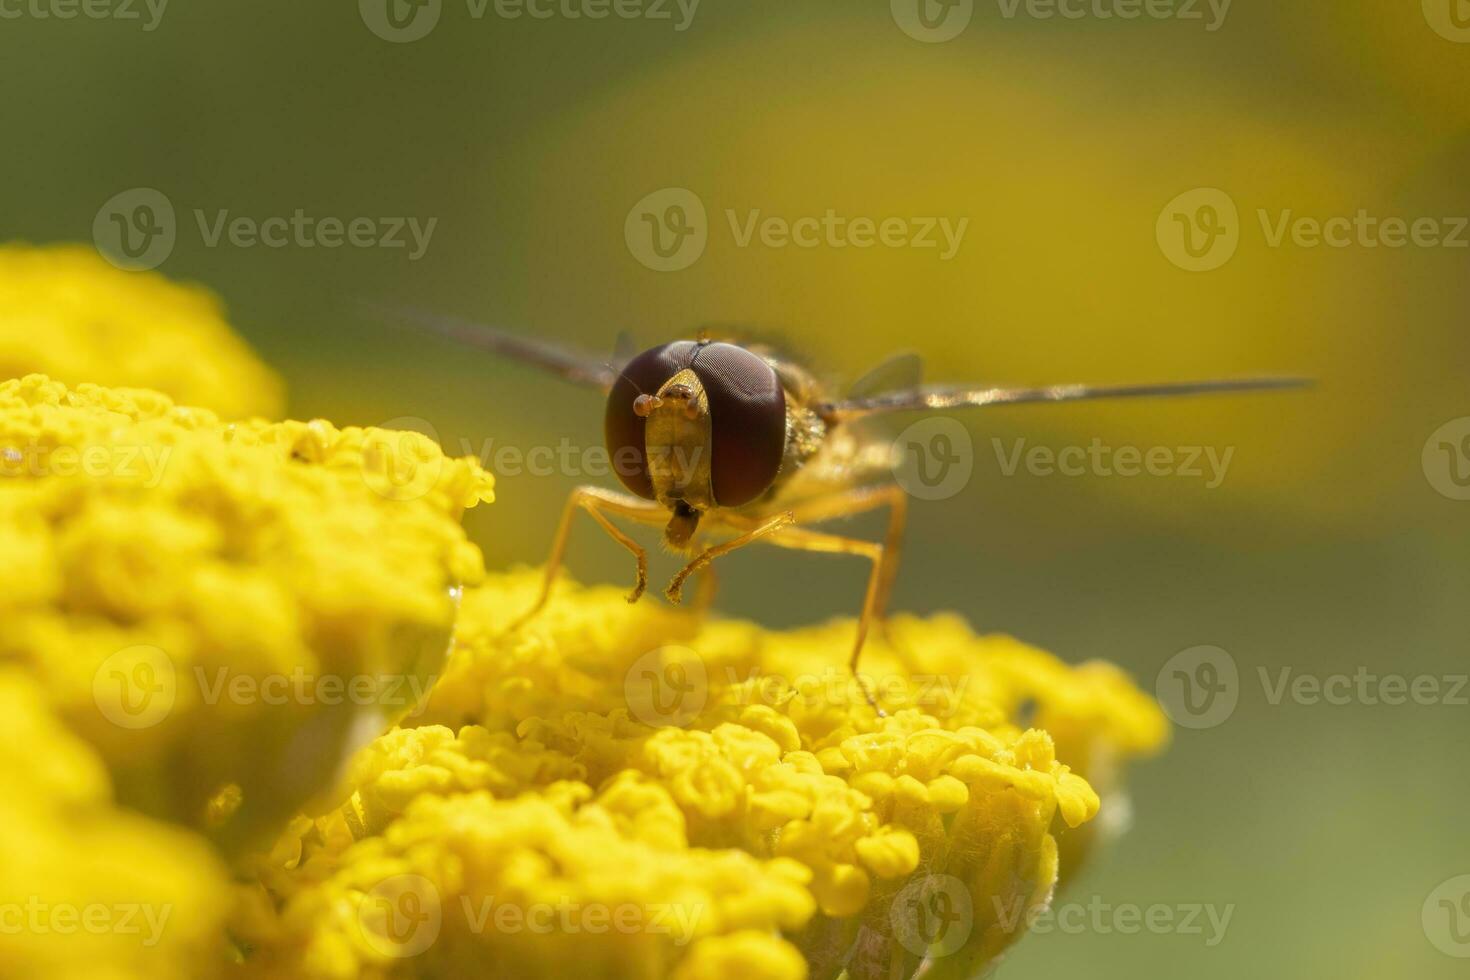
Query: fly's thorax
pixel 677 440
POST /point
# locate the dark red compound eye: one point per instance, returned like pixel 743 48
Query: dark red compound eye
pixel 747 408
pixel 747 417
pixel 623 427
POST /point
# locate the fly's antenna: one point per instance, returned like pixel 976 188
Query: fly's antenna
pixel 623 375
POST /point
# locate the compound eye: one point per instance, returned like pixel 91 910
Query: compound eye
pixel 632 398
pixel 747 409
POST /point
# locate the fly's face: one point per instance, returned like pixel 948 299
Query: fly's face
pixel 677 437
pixel 696 426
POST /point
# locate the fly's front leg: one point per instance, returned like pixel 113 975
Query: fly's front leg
pixel 598 503
pixel 675 591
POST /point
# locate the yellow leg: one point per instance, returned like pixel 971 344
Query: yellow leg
pixel 855 502
pixel 595 500
pixel 873 597
pixel 674 592
pixel 884 556
pixel 704 595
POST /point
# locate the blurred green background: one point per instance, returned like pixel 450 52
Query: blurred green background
pixel 1327 547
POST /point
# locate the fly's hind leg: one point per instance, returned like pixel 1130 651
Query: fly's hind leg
pixel 801 539
pixel 598 503
pixel 704 593
pixel 884 556
pixel 861 501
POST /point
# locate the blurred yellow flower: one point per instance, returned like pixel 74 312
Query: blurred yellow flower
pixel 87 889
pixel 214 604
pixel 724 789
pixel 67 313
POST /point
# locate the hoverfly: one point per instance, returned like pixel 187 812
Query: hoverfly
pixel 716 437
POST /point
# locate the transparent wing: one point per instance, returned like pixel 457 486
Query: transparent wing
pixel 569 364
pixel 901 371
pixel 933 397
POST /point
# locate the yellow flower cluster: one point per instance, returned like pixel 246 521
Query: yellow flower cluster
pixel 88 890
pixel 67 313
pixel 226 647
pixel 630 792
pixel 210 604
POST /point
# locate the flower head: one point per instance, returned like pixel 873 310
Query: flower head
pixel 212 604
pixel 610 756
pixel 67 313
